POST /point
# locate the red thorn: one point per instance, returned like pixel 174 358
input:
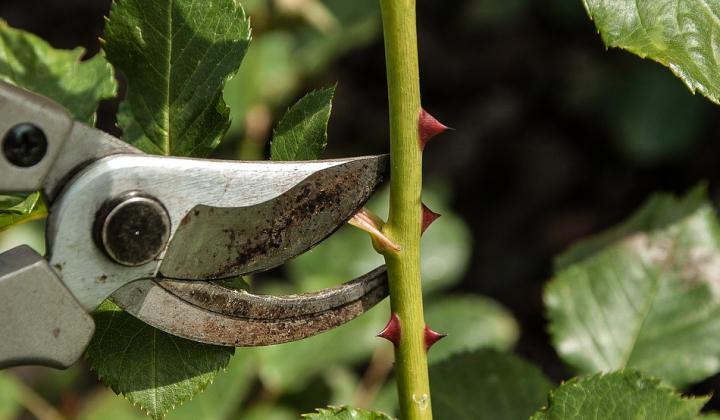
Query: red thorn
pixel 431 337
pixel 429 127
pixel 391 332
pixel 428 216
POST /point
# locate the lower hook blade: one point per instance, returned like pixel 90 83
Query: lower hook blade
pixel 212 314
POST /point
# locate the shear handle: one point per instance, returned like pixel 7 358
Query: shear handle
pixel 42 323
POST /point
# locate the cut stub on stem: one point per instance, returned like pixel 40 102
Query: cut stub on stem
pixel 432 337
pixel 392 330
pixel 429 127
pixel 369 222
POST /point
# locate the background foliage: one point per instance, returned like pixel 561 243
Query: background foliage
pixel 556 139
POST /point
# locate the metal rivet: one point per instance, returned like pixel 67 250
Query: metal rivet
pixel 132 229
pixel 25 145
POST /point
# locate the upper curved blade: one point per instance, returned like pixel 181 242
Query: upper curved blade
pixel 216 315
pixel 212 242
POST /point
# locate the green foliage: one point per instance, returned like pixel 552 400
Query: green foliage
pixel 285 54
pixel 17 209
pixel 619 395
pixel 649 299
pixel 345 413
pixel 31 63
pixel 153 370
pixel 176 56
pixel 471 322
pixel 677 34
pixel 10 396
pixel 487 384
pixel 302 133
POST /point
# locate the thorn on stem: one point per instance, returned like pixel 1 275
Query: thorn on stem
pixel 428 216
pixel 429 127
pixel 432 337
pixel 391 332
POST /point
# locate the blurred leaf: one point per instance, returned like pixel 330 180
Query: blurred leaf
pixel 16 209
pixel 386 399
pixel 105 405
pixel 345 413
pixel 491 13
pixel 281 57
pixel 154 370
pixel 288 367
pixel 302 132
pixel 176 56
pixel 619 395
pixel 660 211
pixel 650 300
pixel 269 412
pixel 486 384
pixel 343 383
pixel 10 396
pixel 654 119
pixel 470 322
pixel 677 34
pixel 31 63
pixel 229 390
pixel 268 75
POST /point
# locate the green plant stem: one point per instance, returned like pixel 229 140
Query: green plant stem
pixel 404 221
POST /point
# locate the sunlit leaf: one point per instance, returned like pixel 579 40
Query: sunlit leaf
pixel 176 56
pixel 31 63
pixel 302 133
pixel 153 370
pixel 644 295
pixel 679 34
pixel 619 395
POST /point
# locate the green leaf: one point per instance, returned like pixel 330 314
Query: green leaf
pixel 619 395
pixel 153 370
pixel 470 322
pixel 302 133
pixel 487 384
pixel 291 366
pixel 176 56
pixel 10 396
pixel 649 300
pixel 345 413
pixel 31 63
pixel 677 34
pixel 659 211
pixel 265 411
pixel 16 209
pixel 226 394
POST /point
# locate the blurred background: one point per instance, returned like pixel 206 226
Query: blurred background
pixel 556 138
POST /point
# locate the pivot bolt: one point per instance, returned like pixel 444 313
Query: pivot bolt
pixel 132 229
pixel 25 145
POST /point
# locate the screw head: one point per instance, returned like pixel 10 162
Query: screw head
pixel 132 229
pixel 25 145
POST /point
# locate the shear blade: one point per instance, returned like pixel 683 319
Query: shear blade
pixel 215 243
pixel 212 314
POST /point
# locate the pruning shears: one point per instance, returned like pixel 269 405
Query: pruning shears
pixel 153 233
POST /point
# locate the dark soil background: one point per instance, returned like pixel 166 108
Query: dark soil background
pixel 556 138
